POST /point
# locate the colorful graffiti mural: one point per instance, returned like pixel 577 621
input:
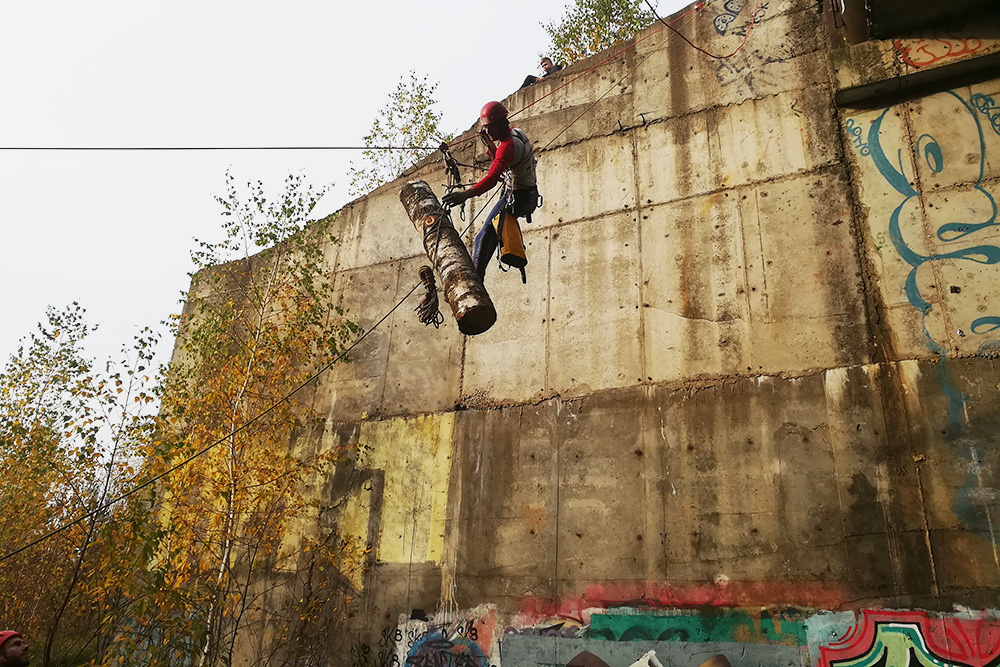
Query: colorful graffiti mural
pixel 450 638
pixel 913 639
pixel 788 637
pixel 440 648
pixel 737 625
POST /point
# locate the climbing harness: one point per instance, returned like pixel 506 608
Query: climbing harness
pixel 519 202
pixel 510 249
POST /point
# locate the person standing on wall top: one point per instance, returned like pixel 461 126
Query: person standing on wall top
pixel 513 162
pixel 13 649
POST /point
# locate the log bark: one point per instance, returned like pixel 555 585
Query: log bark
pixel 463 290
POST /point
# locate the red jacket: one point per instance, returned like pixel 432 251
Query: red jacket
pixel 504 156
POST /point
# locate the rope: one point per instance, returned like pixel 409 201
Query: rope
pixel 428 310
pixel 207 448
pixel 429 285
pixel 698 48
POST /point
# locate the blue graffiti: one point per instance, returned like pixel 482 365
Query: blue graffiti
pixel 929 150
pixel 855 131
pixel 436 649
pixel 970 502
pixel 987 106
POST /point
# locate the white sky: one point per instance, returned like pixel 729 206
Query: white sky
pixel 112 230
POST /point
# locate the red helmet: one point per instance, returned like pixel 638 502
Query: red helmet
pixel 8 634
pixel 492 112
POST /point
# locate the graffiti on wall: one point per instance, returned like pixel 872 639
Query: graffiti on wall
pixel 438 648
pixel 927 51
pixel 987 106
pixel 658 594
pixel 385 654
pixel 943 228
pixel 913 639
pixel 855 133
pixel 551 627
pixel 461 639
pixel 758 626
pixel 730 10
pixel 964 243
pixel 785 637
pixel 750 76
pixel 467 641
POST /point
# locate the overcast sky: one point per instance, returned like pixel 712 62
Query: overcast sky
pixel 113 230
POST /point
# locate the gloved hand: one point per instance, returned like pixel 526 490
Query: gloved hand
pixel 453 199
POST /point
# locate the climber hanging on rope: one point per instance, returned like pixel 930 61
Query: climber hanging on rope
pixel 514 162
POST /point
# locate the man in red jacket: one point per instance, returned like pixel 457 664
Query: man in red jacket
pixel 513 162
pixel 13 650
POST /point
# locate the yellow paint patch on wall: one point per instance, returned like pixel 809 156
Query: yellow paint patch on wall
pixel 353 523
pixel 415 454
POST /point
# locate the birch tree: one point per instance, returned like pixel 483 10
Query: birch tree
pixel 259 320
pixel 408 119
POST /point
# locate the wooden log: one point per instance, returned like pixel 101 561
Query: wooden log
pixel 463 290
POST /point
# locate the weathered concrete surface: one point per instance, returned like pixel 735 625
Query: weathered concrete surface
pixel 753 366
pixel 753 480
pixel 814 492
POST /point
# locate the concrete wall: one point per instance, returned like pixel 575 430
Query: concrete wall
pixel 752 376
